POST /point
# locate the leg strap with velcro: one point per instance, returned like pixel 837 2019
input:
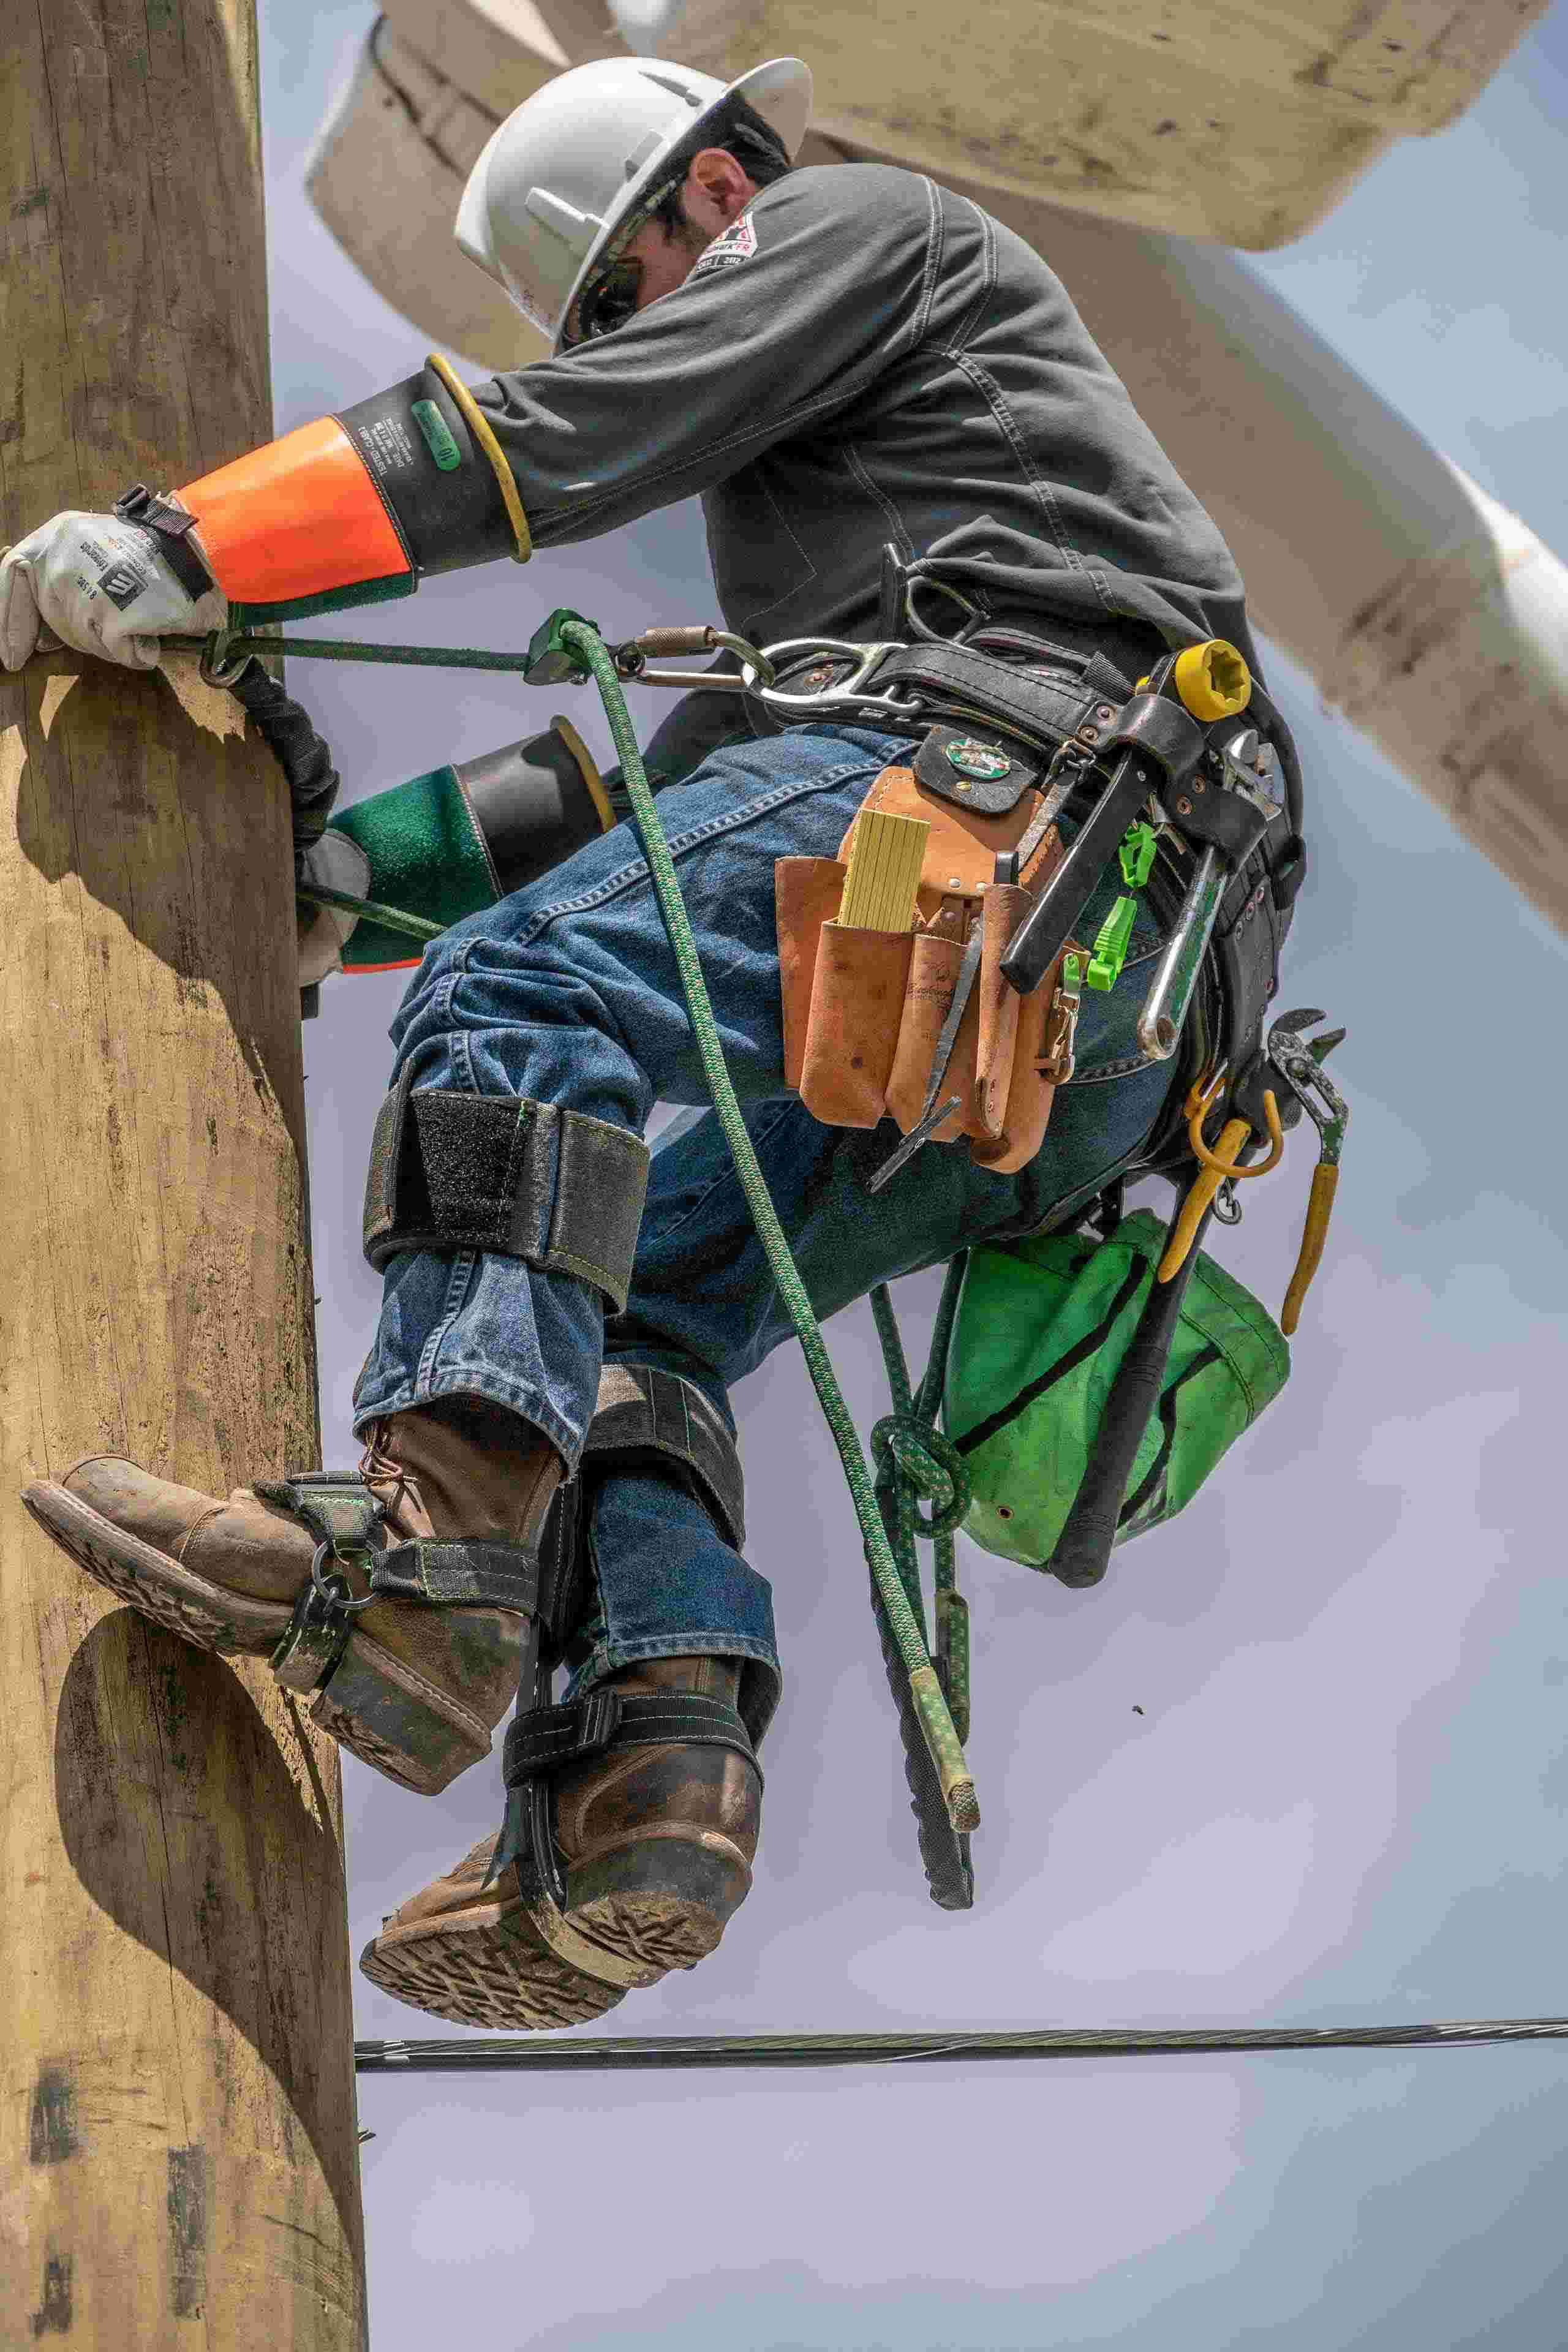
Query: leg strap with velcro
pixel 548 1740
pixel 450 1170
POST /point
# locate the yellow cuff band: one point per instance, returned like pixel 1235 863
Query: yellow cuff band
pixel 585 762
pixel 480 426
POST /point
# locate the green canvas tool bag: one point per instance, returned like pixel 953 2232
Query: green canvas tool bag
pixel 1042 1329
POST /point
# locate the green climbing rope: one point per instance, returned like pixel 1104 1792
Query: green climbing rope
pixel 915 1452
pixel 936 1720
pixel 244 642
pixel 915 1462
pixel 391 918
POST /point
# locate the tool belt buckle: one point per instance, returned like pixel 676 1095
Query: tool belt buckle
pixel 852 694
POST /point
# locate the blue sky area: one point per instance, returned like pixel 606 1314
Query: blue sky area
pixel 1346 1795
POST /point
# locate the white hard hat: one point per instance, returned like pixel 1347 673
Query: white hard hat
pixel 557 178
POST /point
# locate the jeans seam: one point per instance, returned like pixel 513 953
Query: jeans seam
pixel 523 1398
pixel 608 1655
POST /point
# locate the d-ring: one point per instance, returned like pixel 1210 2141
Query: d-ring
pixel 217 666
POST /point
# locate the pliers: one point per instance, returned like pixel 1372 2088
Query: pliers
pixel 1301 1065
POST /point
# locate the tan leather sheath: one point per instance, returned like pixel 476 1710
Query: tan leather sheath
pixel 863 1010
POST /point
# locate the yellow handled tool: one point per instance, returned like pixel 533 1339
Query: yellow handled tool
pixel 1325 1178
pixel 1301 1065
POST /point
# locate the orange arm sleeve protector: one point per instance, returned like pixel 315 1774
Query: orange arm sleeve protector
pixel 359 507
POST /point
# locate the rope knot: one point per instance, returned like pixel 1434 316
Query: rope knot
pixel 930 1465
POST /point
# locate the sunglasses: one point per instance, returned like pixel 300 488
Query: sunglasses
pixel 608 301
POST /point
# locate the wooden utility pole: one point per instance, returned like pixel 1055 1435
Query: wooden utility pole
pixel 178 2157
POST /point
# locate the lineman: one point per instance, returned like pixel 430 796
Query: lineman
pixel 834 359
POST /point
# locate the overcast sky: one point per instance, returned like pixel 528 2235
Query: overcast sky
pixel 1346 1794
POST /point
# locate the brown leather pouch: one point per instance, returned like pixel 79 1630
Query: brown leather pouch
pixel 1003 908
pixel 1036 1072
pixel 806 892
pixel 934 963
pixel 853 1027
pixel 863 1010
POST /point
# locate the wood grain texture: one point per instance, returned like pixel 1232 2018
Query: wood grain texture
pixel 178 2160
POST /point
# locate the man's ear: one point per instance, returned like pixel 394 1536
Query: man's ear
pixel 722 181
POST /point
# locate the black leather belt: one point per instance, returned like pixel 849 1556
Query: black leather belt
pixel 1035 693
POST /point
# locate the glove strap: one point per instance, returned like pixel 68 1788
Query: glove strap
pixel 171 525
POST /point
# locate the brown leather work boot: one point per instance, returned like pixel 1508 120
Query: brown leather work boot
pixel 656 1844
pixel 419 1686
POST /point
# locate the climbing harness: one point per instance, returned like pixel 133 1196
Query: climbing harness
pixel 1168 775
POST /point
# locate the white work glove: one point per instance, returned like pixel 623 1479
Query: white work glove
pixel 335 863
pixel 102 587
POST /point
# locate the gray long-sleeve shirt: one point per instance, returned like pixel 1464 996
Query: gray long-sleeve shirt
pixel 865 357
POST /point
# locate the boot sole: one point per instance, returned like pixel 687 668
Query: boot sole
pixel 376 1705
pixel 486 1967
pixel 662 1903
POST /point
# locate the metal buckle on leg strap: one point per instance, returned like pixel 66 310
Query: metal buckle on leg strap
pixel 317 1632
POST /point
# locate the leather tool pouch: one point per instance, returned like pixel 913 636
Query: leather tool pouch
pixel 863 1010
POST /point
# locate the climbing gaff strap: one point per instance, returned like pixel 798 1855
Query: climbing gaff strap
pixel 644 1415
pixel 547 1740
pixel 349 1525
pixel 450 1170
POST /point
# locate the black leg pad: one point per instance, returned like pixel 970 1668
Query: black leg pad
pixel 648 1412
pixel 644 1415
pixel 450 1170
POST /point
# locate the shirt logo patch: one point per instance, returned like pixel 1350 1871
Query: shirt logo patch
pixel 973 759
pixel 736 243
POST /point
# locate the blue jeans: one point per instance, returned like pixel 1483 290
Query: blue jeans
pixel 567 991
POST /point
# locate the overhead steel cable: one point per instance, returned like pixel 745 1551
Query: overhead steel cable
pixel 507 2053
